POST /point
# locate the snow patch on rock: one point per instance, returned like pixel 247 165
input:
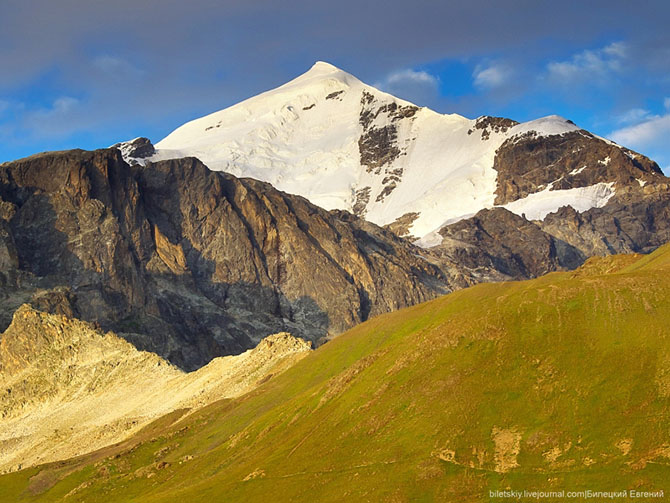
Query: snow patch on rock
pixel 538 205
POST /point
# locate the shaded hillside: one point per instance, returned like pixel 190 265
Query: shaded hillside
pixel 557 383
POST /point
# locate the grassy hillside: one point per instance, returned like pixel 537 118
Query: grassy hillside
pixel 559 383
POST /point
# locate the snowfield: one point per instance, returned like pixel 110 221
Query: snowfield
pixel 538 205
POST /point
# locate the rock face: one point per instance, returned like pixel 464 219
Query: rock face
pixel 487 124
pixel 67 388
pixel 636 219
pixel 194 264
pixel 190 263
pixel 530 163
pixel 496 245
pixel 378 144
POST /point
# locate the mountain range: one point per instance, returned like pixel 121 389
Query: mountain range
pixel 560 383
pixel 191 262
pixel 345 145
pixel 159 302
pixel 443 181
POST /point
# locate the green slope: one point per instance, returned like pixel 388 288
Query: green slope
pixel 559 383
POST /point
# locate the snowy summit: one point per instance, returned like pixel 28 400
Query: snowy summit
pixel 343 144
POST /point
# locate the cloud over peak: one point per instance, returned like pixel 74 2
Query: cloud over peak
pixel 649 133
pixel 413 77
pixel 590 64
pixel 417 86
pixel 654 129
pixel 492 76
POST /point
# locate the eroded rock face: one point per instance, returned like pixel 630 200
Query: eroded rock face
pixel 194 264
pixel 497 245
pixel 378 145
pixel 636 219
pixel 531 163
pixel 402 224
pixel 487 124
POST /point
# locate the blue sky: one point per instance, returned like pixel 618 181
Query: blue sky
pixel 86 74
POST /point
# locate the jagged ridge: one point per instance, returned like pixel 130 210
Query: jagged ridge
pixel 190 263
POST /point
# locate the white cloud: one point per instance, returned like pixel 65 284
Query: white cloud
pixel 419 87
pixel 412 77
pixel 492 76
pixel 649 137
pixel 57 120
pixel 654 130
pixel 633 116
pixel 116 66
pixel 63 105
pixel 590 64
pixel 616 50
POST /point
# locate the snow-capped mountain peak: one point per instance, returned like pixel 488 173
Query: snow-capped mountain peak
pixel 545 126
pixel 321 70
pixel 343 144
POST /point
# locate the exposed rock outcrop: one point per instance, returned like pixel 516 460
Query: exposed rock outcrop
pixel 488 124
pixel 636 219
pixel 402 224
pixel 378 144
pixel 498 245
pixel 194 264
pixel 137 149
pixel 530 163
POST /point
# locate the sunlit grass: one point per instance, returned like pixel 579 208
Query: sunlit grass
pixel 573 367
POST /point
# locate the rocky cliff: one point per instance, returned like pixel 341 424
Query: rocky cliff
pixel 194 264
pixel 609 199
pixel 496 245
pixel 190 263
pixel 530 163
